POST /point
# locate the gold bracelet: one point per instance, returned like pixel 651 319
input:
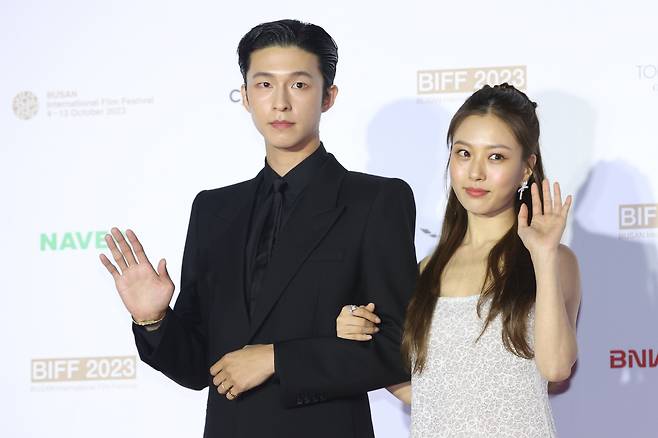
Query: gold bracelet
pixel 148 321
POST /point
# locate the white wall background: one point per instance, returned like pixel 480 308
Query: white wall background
pixel 591 66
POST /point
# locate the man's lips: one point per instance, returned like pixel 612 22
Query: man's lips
pixel 476 192
pixel 281 124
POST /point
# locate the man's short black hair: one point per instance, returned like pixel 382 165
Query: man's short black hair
pixel 291 33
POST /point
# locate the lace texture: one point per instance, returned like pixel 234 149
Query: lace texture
pixel 475 389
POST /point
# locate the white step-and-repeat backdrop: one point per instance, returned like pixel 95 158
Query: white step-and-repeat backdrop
pixel 118 113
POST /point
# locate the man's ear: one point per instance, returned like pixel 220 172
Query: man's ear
pixel 245 98
pixel 530 166
pixel 329 98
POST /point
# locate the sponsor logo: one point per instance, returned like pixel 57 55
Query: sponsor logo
pixel 83 369
pixel 468 80
pixel 638 221
pixel 235 96
pixel 648 74
pixel 78 240
pixel 70 104
pixel 25 105
pixel 429 232
pixel 645 358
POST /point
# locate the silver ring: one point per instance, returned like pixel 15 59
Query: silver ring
pixel 353 307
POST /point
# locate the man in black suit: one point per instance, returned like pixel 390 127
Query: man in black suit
pixel 268 264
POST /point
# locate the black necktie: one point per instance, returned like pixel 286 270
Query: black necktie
pixel 278 187
pixel 266 241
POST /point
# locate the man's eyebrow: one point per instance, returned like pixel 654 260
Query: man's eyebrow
pixel 491 146
pixel 271 75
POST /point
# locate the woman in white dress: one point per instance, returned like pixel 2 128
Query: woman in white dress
pixel 493 317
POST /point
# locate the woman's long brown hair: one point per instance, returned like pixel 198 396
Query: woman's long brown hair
pixel 510 278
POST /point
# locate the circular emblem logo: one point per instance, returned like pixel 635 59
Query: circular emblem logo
pixel 26 105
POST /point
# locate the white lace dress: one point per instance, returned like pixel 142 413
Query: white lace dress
pixel 476 389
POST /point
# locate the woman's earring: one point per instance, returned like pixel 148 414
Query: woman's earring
pixel 524 186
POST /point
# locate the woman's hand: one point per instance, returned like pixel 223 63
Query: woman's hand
pixel 547 225
pixel 358 324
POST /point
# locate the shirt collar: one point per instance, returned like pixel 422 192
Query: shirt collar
pixel 299 176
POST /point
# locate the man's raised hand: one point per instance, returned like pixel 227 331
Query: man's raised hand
pixel 145 292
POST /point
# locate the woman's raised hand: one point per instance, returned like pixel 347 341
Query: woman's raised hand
pixel 548 220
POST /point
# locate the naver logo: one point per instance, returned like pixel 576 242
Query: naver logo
pixel 78 240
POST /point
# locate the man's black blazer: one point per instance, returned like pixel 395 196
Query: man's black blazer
pixel 349 240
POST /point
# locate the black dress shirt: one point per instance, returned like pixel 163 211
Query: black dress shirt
pixel 256 259
pixel 258 253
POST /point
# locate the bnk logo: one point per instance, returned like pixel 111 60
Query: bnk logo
pixel 73 240
pixel 634 216
pixel 633 358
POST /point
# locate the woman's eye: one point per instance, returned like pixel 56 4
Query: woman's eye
pixel 299 85
pixel 463 153
pixel 264 84
pixel 497 157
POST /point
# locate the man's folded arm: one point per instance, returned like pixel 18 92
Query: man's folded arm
pixel 316 369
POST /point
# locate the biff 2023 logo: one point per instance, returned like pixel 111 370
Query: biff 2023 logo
pixel 78 369
pixel 638 221
pixel 468 80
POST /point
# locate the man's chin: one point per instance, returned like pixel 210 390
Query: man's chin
pixel 290 146
pixel 284 146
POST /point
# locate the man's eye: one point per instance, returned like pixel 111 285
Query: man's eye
pixel 299 85
pixel 264 84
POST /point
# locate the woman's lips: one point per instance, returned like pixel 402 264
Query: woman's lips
pixel 476 193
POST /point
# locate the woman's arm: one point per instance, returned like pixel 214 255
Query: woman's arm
pixel 558 283
pixel 402 391
pixel 556 310
pixel 360 324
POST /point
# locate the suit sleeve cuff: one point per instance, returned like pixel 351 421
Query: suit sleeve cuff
pixel 148 341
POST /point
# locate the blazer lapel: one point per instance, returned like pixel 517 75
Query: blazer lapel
pixel 229 260
pixel 309 222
